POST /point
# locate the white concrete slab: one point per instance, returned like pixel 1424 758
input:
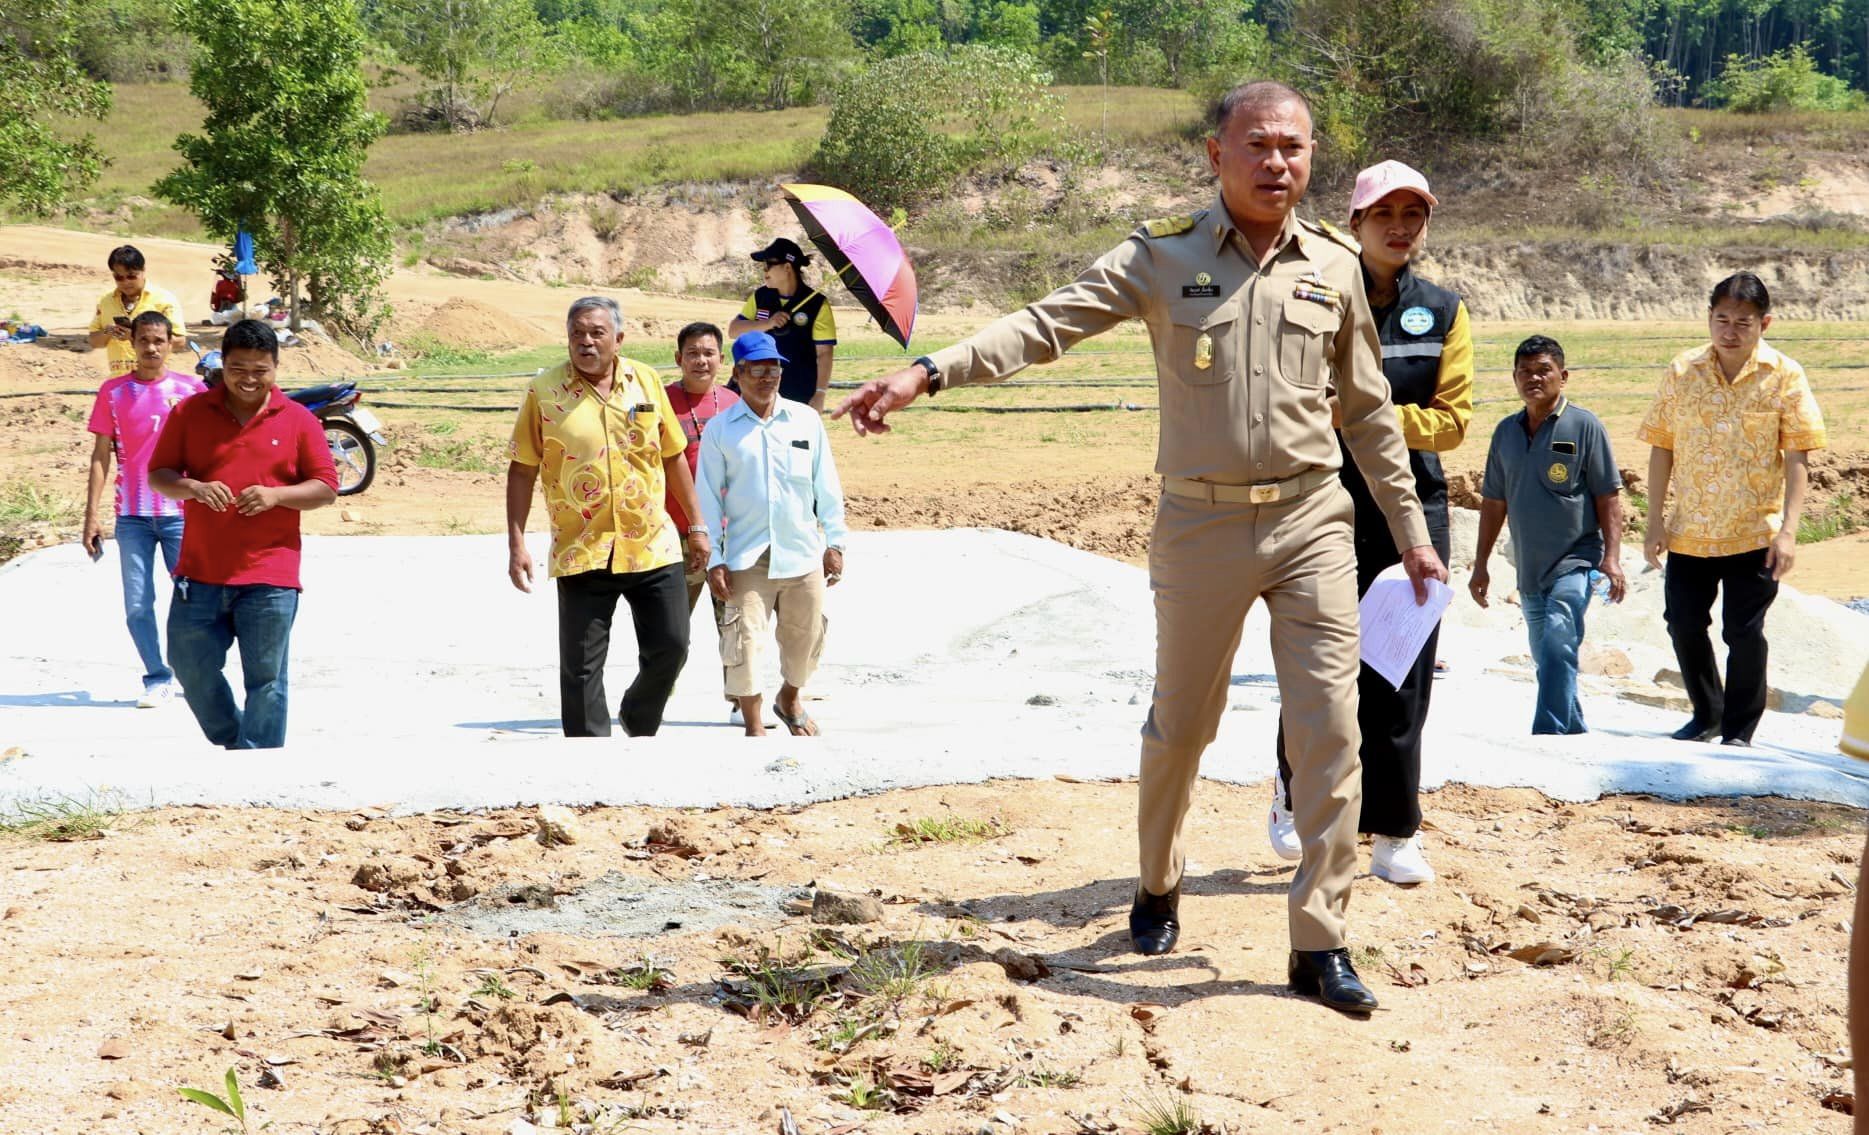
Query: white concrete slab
pixel 421 680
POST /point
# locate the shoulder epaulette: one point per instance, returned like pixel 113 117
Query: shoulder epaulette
pixel 1168 226
pixel 1332 232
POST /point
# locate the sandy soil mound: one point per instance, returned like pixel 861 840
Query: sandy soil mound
pixel 1110 516
pixel 463 324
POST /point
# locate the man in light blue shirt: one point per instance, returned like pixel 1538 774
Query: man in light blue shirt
pixel 771 500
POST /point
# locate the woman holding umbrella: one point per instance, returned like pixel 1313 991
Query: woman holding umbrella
pixel 798 317
pixel 1427 356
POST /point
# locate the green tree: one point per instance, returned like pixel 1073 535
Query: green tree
pixel 282 148
pixel 473 52
pixel 39 170
pixel 1011 25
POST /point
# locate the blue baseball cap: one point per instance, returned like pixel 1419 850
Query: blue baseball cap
pixel 756 347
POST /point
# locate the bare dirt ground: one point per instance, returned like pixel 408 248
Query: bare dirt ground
pixel 1607 966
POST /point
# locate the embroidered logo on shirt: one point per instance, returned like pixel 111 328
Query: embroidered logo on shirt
pixel 800 318
pixel 1559 472
pixel 1417 321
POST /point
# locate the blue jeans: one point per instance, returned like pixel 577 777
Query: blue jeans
pixel 137 539
pixel 207 618
pixel 1554 624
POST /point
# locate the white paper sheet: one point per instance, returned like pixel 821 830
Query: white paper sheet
pixel 1394 628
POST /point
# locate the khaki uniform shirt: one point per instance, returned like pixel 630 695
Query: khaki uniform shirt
pixel 1250 359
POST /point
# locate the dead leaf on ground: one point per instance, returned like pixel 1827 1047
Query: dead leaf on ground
pixel 1688 1105
pixel 623 1081
pixel 1146 1013
pixel 115 1048
pixel 1543 954
pixel 1837 1099
pixel 1412 978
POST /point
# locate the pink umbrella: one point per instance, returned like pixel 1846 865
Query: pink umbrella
pixel 863 250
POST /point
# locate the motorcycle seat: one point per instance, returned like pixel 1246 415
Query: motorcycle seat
pixel 318 395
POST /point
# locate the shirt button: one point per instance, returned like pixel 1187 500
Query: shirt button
pixel 1258 321
pixel 1258 465
pixel 1257 418
pixel 1258 370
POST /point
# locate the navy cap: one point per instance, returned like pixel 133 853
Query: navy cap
pixel 756 347
pixel 782 251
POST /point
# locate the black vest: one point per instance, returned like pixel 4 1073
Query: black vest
pixel 795 340
pixel 1413 330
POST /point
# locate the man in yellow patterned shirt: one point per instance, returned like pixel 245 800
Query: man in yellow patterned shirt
pixel 1731 427
pixel 600 429
pixel 131 296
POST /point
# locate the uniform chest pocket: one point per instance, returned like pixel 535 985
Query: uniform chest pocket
pixel 1557 472
pixel 1305 330
pixel 1204 346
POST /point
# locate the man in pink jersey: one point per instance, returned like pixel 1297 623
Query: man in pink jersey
pixel 126 417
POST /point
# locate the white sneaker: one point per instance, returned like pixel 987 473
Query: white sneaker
pixel 1282 829
pixel 1399 860
pixel 158 695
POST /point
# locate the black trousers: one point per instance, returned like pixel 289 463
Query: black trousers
pixel 1390 718
pixel 1748 589
pixel 658 604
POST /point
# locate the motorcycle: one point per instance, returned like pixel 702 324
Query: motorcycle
pixel 352 432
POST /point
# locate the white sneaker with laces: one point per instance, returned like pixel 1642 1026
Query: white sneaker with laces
pixel 1399 860
pixel 1282 829
pixel 158 695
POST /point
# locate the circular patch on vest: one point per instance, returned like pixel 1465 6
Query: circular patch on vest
pixel 800 318
pixel 1417 321
pixel 1559 473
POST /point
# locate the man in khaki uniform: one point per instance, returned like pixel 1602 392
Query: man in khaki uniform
pixel 1261 330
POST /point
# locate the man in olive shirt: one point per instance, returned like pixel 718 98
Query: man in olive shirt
pixel 1260 328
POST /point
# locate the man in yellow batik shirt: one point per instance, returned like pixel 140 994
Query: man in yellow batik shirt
pixel 131 296
pixel 1730 430
pixel 600 430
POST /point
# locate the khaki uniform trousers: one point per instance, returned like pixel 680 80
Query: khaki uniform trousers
pixel 796 605
pixel 1208 562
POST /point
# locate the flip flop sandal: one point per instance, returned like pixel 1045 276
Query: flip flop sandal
pixel 801 726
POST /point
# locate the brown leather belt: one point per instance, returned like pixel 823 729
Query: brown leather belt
pixel 1268 492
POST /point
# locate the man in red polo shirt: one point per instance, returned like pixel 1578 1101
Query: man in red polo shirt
pixel 244 460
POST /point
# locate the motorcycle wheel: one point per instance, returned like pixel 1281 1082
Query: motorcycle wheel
pixel 353 454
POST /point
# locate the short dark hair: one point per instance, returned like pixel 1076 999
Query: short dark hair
pixel 126 256
pixel 1538 345
pixel 1742 287
pixel 250 335
pixel 694 331
pixel 151 319
pixel 1257 94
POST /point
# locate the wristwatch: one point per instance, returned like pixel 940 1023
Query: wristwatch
pixel 933 372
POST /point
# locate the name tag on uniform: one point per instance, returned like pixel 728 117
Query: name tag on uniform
pixel 801 444
pixel 1566 447
pixel 645 407
pixel 1200 291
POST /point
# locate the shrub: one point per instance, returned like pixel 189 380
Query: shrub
pixel 907 128
pixel 1783 80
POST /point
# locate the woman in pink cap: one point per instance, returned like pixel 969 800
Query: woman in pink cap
pixel 1427 355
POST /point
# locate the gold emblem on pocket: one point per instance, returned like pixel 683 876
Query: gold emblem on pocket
pixel 1203 279
pixel 1559 473
pixel 1204 352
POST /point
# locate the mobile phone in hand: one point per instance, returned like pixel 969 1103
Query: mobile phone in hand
pixel 97 552
pixel 121 320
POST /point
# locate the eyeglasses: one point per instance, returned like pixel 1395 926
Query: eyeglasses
pixel 763 370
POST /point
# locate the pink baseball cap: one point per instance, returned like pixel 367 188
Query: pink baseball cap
pixel 1384 178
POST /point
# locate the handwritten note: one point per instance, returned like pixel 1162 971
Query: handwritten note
pixel 1394 627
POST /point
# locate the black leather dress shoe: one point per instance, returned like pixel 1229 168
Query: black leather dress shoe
pixel 1328 976
pixel 1695 731
pixel 1153 925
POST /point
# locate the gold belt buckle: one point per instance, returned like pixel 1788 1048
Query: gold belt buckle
pixel 1262 494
